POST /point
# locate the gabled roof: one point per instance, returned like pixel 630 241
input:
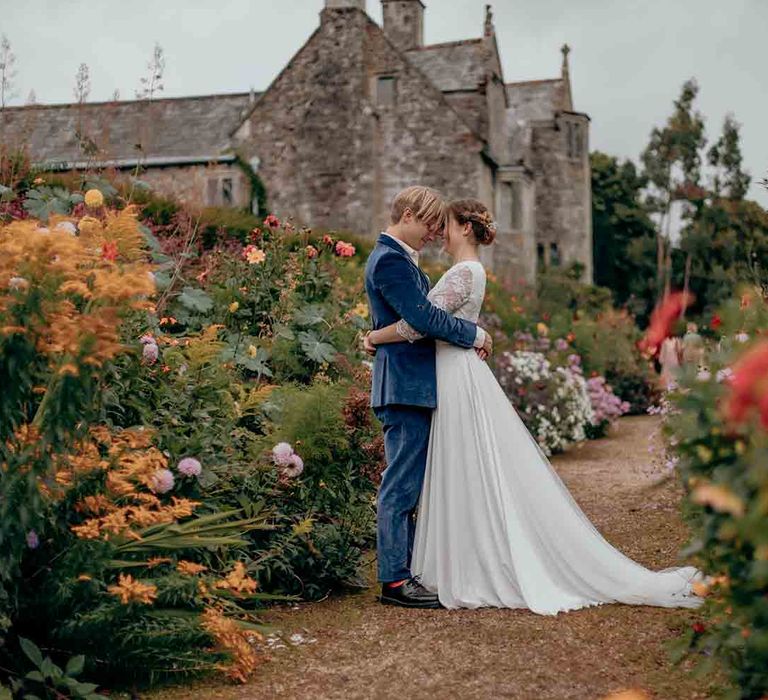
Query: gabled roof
pixel 178 129
pixel 454 66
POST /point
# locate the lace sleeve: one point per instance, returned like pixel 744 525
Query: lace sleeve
pixel 450 294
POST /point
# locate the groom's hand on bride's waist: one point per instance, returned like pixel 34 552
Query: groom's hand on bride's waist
pixel 368 347
pixel 486 350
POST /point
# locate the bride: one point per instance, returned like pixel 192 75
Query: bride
pixel 497 527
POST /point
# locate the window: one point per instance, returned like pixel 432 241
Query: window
pixel 385 91
pixel 540 253
pixel 554 255
pixel 517 204
pixel 575 140
pixel 226 190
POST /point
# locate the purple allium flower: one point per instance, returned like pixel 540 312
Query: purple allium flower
pixel 561 344
pixel 33 541
pixel 574 359
pixel 150 353
pixel 147 339
pixel 282 454
pixel 162 481
pixel 189 466
pixel 295 467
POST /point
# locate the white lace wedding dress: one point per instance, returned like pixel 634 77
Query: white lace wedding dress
pixel 497 527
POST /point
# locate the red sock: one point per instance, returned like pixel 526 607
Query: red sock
pixel 395 584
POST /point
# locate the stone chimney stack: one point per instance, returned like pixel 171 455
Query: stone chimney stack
pixel 344 4
pixel 404 23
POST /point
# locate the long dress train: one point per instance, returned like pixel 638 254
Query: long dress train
pixel 497 526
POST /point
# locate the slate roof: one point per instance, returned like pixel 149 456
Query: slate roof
pixel 454 66
pixel 170 130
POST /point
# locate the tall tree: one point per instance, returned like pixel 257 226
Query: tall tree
pixel 7 71
pixel 623 234
pixel 728 180
pixel 672 162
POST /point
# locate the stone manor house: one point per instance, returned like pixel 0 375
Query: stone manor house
pixel 360 112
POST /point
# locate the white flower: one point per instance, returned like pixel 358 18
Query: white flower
pixel 67 226
pixel 17 283
pixel 703 375
pixel 742 337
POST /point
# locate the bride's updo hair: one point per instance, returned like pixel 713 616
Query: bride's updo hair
pixel 475 213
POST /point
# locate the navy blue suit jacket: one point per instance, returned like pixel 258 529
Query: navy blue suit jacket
pixel 404 373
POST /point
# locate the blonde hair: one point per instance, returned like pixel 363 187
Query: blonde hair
pixel 427 206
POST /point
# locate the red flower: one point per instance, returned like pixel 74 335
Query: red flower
pixel 345 250
pixel 272 221
pixel 327 240
pixel 109 251
pixel 716 322
pixel 256 234
pixel 748 386
pixel 663 318
pixel 698 627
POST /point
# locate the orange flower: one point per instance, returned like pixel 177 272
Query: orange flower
pixel 238 581
pixel 663 318
pixel 233 640
pixel 719 498
pixel 109 251
pixel 129 590
pixel 189 568
pixel 748 386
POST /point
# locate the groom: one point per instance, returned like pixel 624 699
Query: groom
pixel 403 393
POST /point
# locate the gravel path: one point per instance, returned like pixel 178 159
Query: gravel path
pixel 365 650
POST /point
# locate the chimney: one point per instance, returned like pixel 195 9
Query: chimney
pixel 345 4
pixel 404 23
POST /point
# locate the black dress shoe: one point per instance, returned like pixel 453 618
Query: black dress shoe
pixel 410 594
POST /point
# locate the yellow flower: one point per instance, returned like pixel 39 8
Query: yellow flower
pixel 94 199
pixel 38 181
pixel 234 306
pixel 130 590
pixel 84 577
pixel 740 447
pixel 303 528
pixel 361 310
pixel 253 350
pixel 721 498
pixel 704 453
pixel 542 329
pixel 88 224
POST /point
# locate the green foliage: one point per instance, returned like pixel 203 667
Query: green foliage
pixel 623 235
pixel 47 680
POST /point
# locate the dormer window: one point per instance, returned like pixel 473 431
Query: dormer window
pixel 386 90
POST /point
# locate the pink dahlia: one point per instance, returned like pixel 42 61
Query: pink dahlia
pixel 282 453
pixel 162 481
pixel 189 466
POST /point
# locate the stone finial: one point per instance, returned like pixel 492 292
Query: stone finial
pixel 488 30
pixel 565 51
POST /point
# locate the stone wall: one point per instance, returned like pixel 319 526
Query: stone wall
pixel 333 154
pixel 200 185
pixel 563 191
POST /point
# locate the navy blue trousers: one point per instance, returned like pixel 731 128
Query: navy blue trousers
pixel 406 439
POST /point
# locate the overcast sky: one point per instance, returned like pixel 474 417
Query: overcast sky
pixel 629 57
